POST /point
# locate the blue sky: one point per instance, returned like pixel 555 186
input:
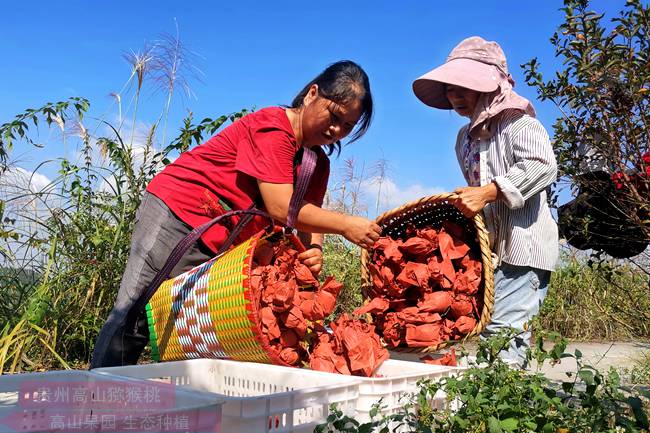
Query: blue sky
pixel 262 53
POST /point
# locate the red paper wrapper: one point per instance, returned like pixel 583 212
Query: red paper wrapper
pixel 377 305
pixel 425 287
pixel 436 302
pixel 448 358
pixel 292 307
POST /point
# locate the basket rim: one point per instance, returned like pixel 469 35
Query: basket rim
pixel 486 260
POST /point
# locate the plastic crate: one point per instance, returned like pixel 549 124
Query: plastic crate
pixel 85 401
pixel 394 382
pixel 258 397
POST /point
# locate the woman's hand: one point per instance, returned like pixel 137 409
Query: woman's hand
pixel 472 199
pixel 361 231
pixel 313 219
pixel 313 259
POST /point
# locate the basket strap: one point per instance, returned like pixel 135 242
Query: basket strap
pixel 181 248
pixel 307 169
pixel 302 183
pixel 234 234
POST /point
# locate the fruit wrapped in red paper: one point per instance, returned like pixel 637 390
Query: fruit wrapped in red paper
pixel 292 309
pixel 425 288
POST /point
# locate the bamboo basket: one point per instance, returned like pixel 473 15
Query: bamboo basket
pixel 211 311
pixel 432 211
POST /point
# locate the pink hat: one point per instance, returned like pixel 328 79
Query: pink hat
pixel 475 64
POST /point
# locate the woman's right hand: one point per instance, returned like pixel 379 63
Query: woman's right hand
pixel 361 231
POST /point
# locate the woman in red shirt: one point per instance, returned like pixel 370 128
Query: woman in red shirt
pixel 253 161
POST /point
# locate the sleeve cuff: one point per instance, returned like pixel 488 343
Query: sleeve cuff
pixel 510 195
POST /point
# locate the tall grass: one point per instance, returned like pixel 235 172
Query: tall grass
pixel 341 258
pixel 603 301
pixel 65 253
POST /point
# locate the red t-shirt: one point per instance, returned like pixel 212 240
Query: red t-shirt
pixel 261 146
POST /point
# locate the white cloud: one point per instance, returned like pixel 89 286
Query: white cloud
pixel 19 180
pixel 392 195
pixel 139 146
pixel 28 199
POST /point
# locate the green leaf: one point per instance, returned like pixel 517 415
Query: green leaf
pixel 587 376
pixel 461 422
pixel 494 425
pixel 567 387
pixel 509 424
pixel 548 428
pixel 531 425
pixel 365 428
pixel 503 407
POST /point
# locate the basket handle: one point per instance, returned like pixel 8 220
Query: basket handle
pixel 307 169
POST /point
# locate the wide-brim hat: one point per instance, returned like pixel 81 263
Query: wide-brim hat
pixel 474 64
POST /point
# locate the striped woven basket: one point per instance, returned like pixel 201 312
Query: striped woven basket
pixel 211 311
pixel 433 211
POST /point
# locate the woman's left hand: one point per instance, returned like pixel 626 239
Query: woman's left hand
pixel 313 259
pixel 472 199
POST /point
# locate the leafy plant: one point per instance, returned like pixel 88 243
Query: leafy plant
pixel 59 113
pixel 639 372
pixel 605 300
pixel 603 93
pixel 343 260
pixel 72 238
pixel 495 398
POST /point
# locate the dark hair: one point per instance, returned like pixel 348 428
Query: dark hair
pixel 341 82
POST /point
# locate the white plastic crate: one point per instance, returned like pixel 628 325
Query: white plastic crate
pixel 72 400
pixel 258 397
pixel 394 382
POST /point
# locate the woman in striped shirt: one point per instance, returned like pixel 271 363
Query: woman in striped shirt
pixel 506 157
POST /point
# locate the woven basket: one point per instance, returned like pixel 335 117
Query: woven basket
pixel 432 211
pixel 211 311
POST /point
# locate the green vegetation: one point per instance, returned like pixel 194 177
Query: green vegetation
pixel 496 399
pixel 67 243
pixel 639 373
pixel 598 301
pixel 602 90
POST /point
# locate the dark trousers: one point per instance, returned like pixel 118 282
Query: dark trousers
pixel 157 231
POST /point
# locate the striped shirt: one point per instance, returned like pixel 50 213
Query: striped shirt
pixel 520 160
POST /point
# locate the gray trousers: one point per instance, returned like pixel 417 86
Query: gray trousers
pixel 157 231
